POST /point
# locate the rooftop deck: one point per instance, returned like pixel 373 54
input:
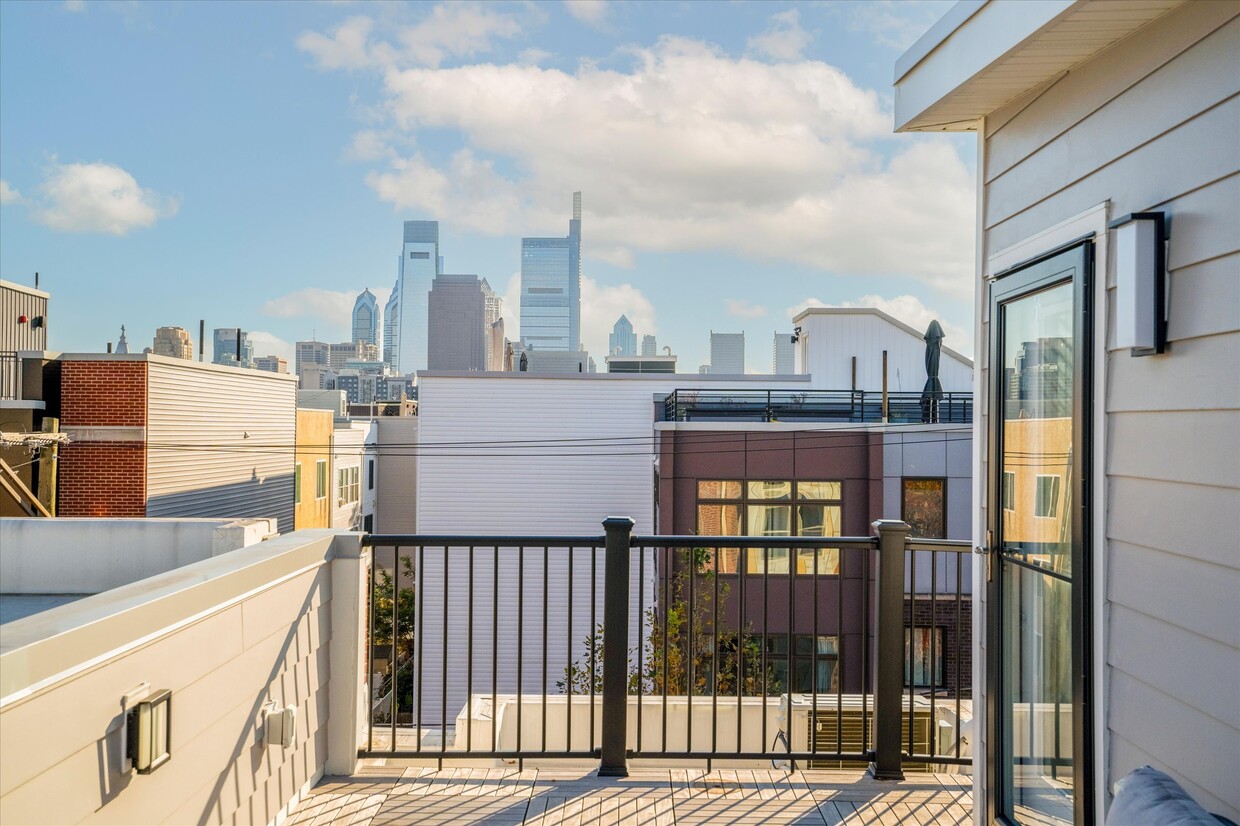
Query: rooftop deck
pixel 396 792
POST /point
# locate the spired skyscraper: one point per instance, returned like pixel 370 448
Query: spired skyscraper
pixel 366 318
pixel 404 317
pixel 623 341
pixel 551 288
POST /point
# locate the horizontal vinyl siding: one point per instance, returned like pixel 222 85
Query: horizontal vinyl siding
pixel 534 473
pixel 221 443
pixel 1152 124
pixel 831 342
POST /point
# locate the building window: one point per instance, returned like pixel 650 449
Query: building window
pixel 803 662
pixel 923 506
pixel 1047 503
pixel 420 256
pixel 370 474
pixel 348 486
pixel 320 479
pixel 919 646
pixel 772 508
pixel 297 483
pixel 1009 490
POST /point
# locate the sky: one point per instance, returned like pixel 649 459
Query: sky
pixel 250 164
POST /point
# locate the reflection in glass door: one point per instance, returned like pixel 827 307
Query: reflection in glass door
pixel 1037 590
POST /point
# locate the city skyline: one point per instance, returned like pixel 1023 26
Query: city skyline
pixel 103 214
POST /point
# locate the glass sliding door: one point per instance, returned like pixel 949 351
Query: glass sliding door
pixel 1038 593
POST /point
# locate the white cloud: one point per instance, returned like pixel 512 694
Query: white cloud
pixel 369 145
pixel 897 25
pixel 450 30
pixel 331 306
pixel 269 344
pixel 783 40
pixel 532 56
pixel 688 149
pixel 600 307
pixel 741 308
pixel 8 195
pixel 591 12
pixel 906 308
pixel 99 197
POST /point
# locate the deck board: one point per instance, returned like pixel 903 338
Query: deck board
pixel 563 796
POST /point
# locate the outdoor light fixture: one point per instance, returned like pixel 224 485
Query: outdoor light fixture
pixel 148 731
pixel 1141 283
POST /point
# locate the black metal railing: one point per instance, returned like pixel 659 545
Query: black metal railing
pixel 619 647
pixel 10 379
pixel 815 406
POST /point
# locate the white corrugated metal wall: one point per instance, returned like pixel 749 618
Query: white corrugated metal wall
pixel 220 441
pixel 550 456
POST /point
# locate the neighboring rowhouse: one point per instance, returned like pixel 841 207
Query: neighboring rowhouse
pixel 156 436
pixel 1107 470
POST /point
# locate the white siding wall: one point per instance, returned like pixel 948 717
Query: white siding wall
pixel 556 456
pixel 1153 124
pixel 220 441
pixel 830 339
pixel 347 445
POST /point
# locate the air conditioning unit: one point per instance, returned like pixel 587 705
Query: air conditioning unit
pixel 839 724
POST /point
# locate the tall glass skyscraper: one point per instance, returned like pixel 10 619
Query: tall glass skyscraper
pixel 551 288
pixel 405 346
pixel 366 318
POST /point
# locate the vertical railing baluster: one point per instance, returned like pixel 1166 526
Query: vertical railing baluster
pixel 520 652
pixel 911 556
pixel 934 600
pixel 443 668
pixel 959 565
pixel 689 650
pixel 469 663
pixel 494 647
pixel 740 653
pixel 766 619
pixel 370 661
pixel 614 759
pixel 593 640
pixel 840 649
pixel 568 668
pixel 641 639
pixel 813 682
pixel 546 599
pixel 714 658
pixel 892 538
pixel 420 593
pixel 667 591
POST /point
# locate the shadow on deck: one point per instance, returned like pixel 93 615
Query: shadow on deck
pixel 390 794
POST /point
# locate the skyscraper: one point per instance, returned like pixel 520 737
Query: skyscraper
pixel 650 347
pixel 391 327
pixel 551 288
pixel 310 354
pixel 493 324
pixel 419 263
pixel 457 330
pixel 173 342
pixel 782 358
pixel 727 353
pixel 366 318
pixel 122 344
pixel 622 341
pixel 226 348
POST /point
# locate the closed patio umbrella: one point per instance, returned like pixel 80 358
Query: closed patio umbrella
pixel 932 393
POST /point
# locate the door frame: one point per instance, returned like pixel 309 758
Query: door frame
pixel 1089 223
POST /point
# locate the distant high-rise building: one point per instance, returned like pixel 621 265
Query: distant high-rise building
pixel 308 354
pixel 226 348
pixel 782 356
pixel 173 342
pixel 338 354
pixel 493 326
pixel 419 264
pixel 122 344
pixel 316 377
pixel 366 318
pixel 727 353
pixel 622 341
pixel 457 328
pixel 272 364
pixel 391 328
pixel 551 288
pixel 650 347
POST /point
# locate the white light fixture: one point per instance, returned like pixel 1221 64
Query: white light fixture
pixel 1141 283
pixel 148 731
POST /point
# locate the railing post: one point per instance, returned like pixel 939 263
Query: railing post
pixel 889 677
pixel 614 758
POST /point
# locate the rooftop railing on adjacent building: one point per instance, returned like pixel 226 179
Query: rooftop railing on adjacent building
pixel 9 375
pixel 815 406
pixel 809 650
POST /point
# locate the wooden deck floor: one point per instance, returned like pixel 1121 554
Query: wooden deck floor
pixel 384 794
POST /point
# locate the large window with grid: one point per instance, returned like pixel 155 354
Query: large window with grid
pixel 771 508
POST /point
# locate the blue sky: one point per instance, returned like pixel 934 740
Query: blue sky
pixel 250 164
